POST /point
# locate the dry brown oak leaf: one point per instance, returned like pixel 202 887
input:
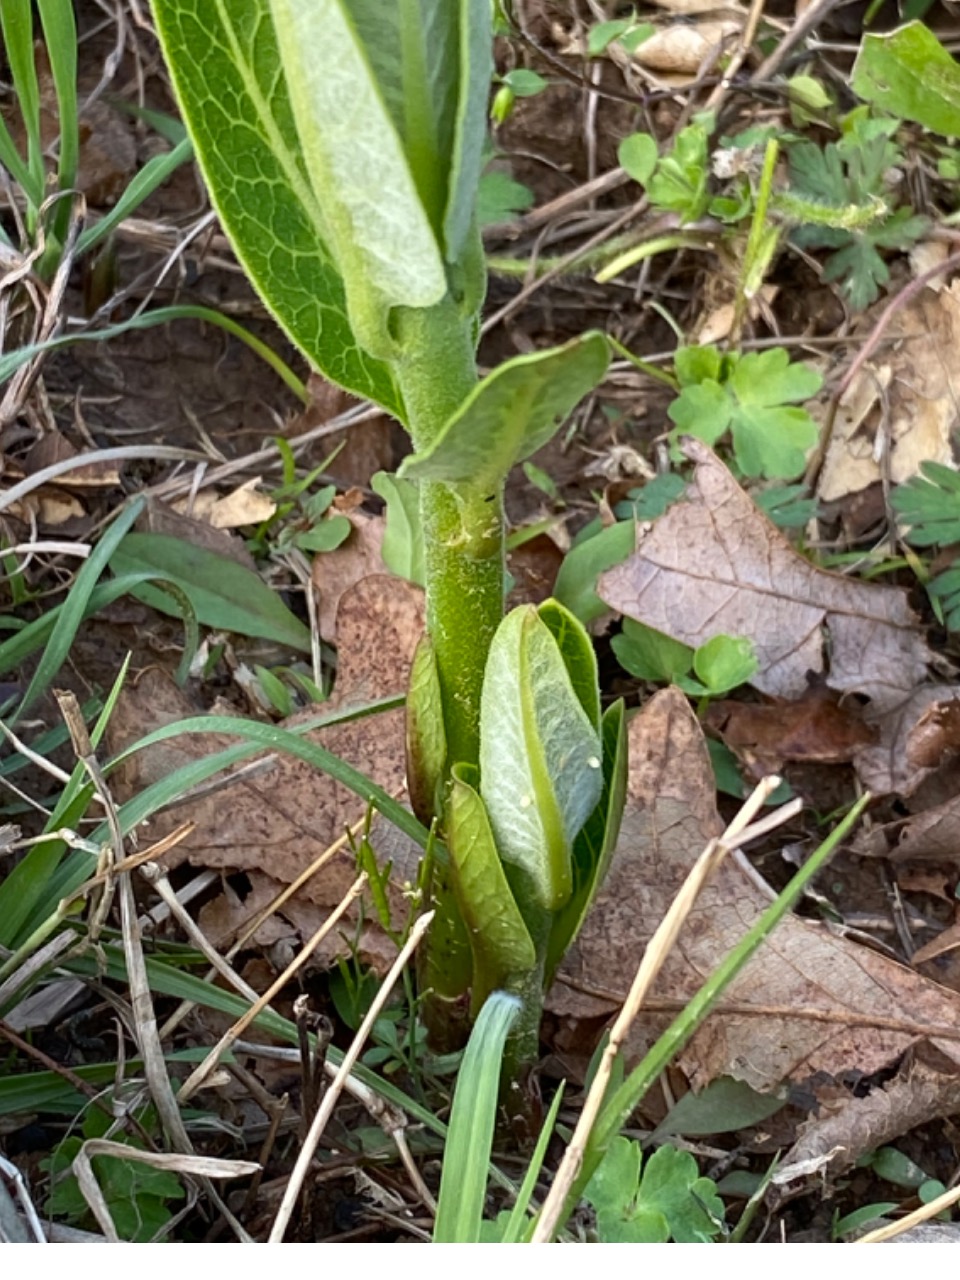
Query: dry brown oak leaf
pixel 713 564
pixel 809 1002
pixel 273 825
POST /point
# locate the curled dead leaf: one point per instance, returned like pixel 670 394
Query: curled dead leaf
pixel 682 49
pixel 901 409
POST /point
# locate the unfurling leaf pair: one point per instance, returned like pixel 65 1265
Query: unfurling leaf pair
pixel 530 832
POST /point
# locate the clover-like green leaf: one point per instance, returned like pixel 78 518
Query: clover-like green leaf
pixel 722 664
pixel 669 1201
pixel 767 379
pixel 540 755
pixel 651 655
pixel 754 399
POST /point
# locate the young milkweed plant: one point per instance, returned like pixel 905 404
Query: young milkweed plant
pixel 342 143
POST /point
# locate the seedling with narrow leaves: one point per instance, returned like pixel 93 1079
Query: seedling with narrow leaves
pixel 368 131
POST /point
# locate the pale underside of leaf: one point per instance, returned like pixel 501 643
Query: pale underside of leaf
pixel 225 68
pixel 355 158
pixel 540 764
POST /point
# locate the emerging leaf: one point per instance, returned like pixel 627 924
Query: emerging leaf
pixel 426 738
pixel 511 414
pixel 499 940
pixel 540 756
pixel 752 397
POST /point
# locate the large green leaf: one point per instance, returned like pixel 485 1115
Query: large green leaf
pixel 540 765
pixel 343 64
pixel 512 413
pixel 224 594
pixel 909 73
pixel 499 940
pixel 225 65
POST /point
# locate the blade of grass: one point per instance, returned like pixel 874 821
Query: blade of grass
pixel 463 1182
pixel 152 175
pixel 16 19
pixel 60 33
pixel 45 865
pixel 35 635
pixel 27 883
pixel 71 613
pixel 9 364
pixel 617 1109
pixel 274 738
pixel 518 1223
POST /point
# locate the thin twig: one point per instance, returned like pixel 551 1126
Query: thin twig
pixel 292 1192
pixel 200 1073
pixel 654 956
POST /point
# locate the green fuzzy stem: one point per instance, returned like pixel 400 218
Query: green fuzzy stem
pixel 462 527
pixel 464 563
